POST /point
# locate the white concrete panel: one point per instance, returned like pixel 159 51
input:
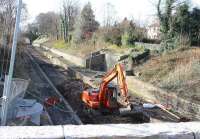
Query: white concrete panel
pixel 139 131
pixel 38 132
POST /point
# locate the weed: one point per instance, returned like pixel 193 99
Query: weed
pixel 60 44
pixel 178 71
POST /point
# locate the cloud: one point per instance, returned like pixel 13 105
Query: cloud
pixel 196 3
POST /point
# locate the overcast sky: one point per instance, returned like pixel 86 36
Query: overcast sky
pixel 141 10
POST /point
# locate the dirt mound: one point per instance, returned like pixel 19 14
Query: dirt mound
pixel 72 87
pixel 71 90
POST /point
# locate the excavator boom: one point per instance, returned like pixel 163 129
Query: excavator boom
pixel 118 72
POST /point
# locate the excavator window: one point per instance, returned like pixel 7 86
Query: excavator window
pixel 112 90
pixel 92 91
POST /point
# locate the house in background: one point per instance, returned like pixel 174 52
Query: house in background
pixel 153 31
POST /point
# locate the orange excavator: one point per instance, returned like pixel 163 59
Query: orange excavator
pixel 106 97
pixel 109 98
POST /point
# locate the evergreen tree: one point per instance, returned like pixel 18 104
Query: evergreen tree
pixel 86 24
pixel 195 26
pixel 182 20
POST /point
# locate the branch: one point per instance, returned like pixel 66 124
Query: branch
pixel 158 10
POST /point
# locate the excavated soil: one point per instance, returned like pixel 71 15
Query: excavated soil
pixel 72 89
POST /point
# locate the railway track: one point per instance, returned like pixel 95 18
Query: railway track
pixel 43 88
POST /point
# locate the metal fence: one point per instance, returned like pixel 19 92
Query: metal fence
pixel 10 20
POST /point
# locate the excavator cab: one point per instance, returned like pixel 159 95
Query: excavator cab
pixel 111 97
pixel 91 97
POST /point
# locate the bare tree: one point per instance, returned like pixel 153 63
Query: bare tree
pixel 48 24
pixel 8 12
pixel 68 16
pixel 7 18
pixel 109 15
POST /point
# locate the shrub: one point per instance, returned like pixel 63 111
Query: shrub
pixel 113 36
pixel 183 41
pixel 128 38
pixel 60 44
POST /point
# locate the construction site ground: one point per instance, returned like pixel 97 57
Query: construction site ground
pixel 71 87
pixel 40 90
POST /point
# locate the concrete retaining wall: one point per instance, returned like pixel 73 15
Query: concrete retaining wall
pixel 111 60
pixel 74 59
pixel 150 46
pixel 110 131
pixel 97 63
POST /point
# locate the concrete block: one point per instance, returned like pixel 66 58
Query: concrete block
pixel 133 131
pixel 189 130
pixel 38 132
pixel 111 60
pixel 96 63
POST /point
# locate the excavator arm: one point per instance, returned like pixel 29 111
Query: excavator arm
pixel 121 79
